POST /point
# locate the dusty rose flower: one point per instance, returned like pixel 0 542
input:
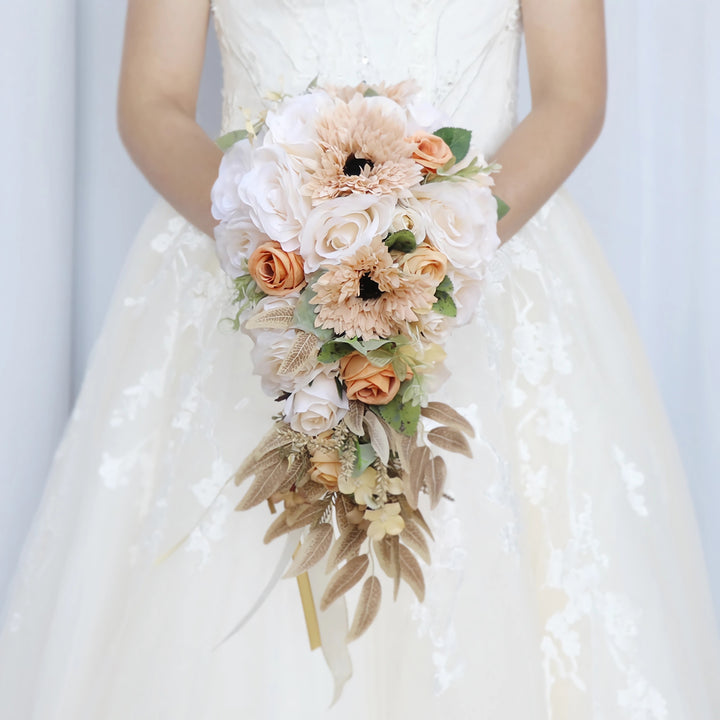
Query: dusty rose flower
pixel 370 297
pixel 384 521
pixel 431 151
pixel 275 271
pixel 425 260
pixel 364 151
pixel 369 383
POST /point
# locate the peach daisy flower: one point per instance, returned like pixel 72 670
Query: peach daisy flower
pixel 368 296
pixel 363 151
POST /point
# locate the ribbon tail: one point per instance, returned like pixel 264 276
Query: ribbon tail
pixel 333 633
pixel 282 564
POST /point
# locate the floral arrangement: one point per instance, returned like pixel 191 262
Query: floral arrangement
pixel 355 224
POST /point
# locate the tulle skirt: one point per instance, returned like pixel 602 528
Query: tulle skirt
pixel 568 580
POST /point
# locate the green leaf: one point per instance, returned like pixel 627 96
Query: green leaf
pixel 400 416
pixel 457 139
pixel 364 456
pixel 445 286
pixel 371 93
pixel 225 142
pixel 403 241
pixel 445 305
pixel 502 207
pixel 304 317
pixel 333 350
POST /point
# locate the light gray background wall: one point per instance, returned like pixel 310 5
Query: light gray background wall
pixel 649 188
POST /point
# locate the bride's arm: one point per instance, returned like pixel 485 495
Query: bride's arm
pixel 565 42
pixel 161 69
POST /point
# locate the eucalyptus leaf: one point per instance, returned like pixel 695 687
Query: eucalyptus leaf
pixel 333 350
pixel 365 455
pixel 402 417
pixel 304 317
pixel 457 139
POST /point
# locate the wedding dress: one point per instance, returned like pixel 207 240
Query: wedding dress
pixel 568 581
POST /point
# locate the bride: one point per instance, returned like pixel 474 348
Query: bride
pixel 567 580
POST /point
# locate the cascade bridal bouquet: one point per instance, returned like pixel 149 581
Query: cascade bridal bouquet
pixel 355 224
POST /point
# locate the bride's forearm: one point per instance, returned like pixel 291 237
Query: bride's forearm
pixel 539 155
pixel 175 154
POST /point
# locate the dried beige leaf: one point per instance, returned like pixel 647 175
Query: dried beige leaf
pixel 346 546
pixel 341 511
pixel 346 577
pixel 415 473
pixel 415 516
pixel 301 355
pixel 269 479
pixel 354 417
pixel 449 438
pixel 298 469
pixel 312 550
pixel 383 553
pixel 435 476
pixel 446 415
pixel 278 527
pixel 257 462
pixel 411 572
pixel 414 538
pixel 378 436
pixel 304 514
pixel 367 608
pixel 279 318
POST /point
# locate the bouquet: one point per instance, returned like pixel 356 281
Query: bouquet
pixel 355 224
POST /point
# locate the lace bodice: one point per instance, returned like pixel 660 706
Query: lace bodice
pixel 464 54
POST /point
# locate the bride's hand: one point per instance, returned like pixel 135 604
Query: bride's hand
pixel 161 69
pixel 565 42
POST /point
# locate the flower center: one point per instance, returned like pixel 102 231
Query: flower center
pixel 369 289
pixel 355 165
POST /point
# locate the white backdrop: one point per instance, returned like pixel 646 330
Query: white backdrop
pixel 71 202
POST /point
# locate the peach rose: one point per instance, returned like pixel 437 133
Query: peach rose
pixel 275 271
pixel 432 151
pixel 325 465
pixel 425 260
pixel 368 383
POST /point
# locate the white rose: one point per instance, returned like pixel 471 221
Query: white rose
pixel 235 240
pixel 292 124
pixel 461 220
pixel 317 407
pixel 422 115
pixel 224 195
pixel 337 228
pixel 269 352
pixel 467 291
pixel 435 327
pixel 271 189
pixel 408 215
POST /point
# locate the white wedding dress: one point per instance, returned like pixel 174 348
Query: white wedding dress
pixel 568 580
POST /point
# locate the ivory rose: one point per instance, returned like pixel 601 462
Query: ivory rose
pixel 337 228
pixel 317 407
pixel 432 151
pixel 275 271
pixel 325 465
pixel 368 383
pixel 425 260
